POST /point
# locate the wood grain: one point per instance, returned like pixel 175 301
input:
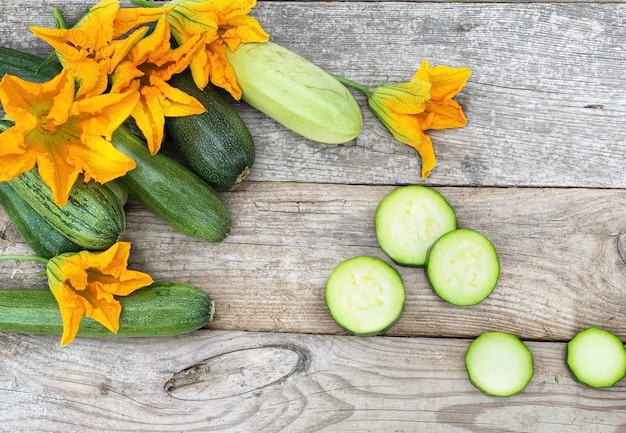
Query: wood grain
pixel 559 252
pixel 539 169
pixel 244 382
pixel 545 101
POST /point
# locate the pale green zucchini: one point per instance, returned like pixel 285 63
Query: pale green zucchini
pixel 295 92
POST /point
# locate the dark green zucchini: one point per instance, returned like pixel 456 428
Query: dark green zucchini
pixel 172 192
pixel 166 188
pixel 27 66
pixel 216 144
pixel 93 216
pixel 161 309
pixel 40 236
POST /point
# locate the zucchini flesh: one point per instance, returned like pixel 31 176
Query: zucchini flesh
pixel 597 358
pixel 365 295
pixel 172 192
pixel 159 310
pixel 463 267
pixel 499 364
pixel 216 144
pixel 93 216
pixel 409 220
pixel 40 236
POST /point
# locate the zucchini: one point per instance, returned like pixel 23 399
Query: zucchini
pixel 27 66
pixel 40 236
pixel 172 192
pixel 216 144
pixel 296 93
pixel 499 363
pixel 409 220
pixel 166 188
pixel 365 295
pixel 596 358
pixel 159 310
pixel 463 267
pixel 93 216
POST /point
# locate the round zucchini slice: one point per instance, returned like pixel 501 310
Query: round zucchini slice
pixel 365 295
pixel 499 364
pixel 597 358
pixel 463 267
pixel 409 220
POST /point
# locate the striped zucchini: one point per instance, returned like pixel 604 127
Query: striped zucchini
pixel 159 310
pixel 40 236
pixel 93 216
pixel 170 191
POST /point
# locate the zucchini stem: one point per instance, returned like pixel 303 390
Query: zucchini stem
pixel 24 258
pixel 144 3
pixel 354 85
pixel 58 18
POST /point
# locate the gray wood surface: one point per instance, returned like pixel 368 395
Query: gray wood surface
pixel 539 169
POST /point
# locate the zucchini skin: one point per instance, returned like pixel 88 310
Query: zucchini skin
pixel 169 190
pixel 40 236
pixel 93 216
pixel 159 310
pixel 216 144
pixel 172 192
pixel 295 92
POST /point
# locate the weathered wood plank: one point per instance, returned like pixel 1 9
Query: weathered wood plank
pixel 236 382
pixel 559 251
pixel 545 101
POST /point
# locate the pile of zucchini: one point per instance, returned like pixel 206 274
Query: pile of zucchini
pixel 219 151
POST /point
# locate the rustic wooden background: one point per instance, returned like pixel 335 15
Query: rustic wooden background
pixel 539 169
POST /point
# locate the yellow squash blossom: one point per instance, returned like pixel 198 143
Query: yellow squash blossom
pixel 147 68
pixel 409 109
pixel 60 135
pixel 90 48
pixel 220 24
pixel 86 283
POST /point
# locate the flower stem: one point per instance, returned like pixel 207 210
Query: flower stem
pixel 354 85
pixel 144 3
pixel 56 12
pixel 24 258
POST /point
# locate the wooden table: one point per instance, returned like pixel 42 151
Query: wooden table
pixel 539 169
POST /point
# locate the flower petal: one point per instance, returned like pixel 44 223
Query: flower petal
pixel 446 81
pixel 441 116
pixel 98 159
pixel 150 119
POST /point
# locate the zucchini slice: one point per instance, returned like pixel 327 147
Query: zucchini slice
pixel 463 267
pixel 409 220
pixel 365 295
pixel 597 358
pixel 499 364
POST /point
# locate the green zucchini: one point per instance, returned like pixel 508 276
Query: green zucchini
pixel 596 357
pixel 462 267
pixel 159 310
pixel 27 66
pixel 40 236
pixel 499 364
pixel 172 192
pixel 365 295
pixel 409 220
pixel 169 190
pixel 93 216
pixel 216 144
